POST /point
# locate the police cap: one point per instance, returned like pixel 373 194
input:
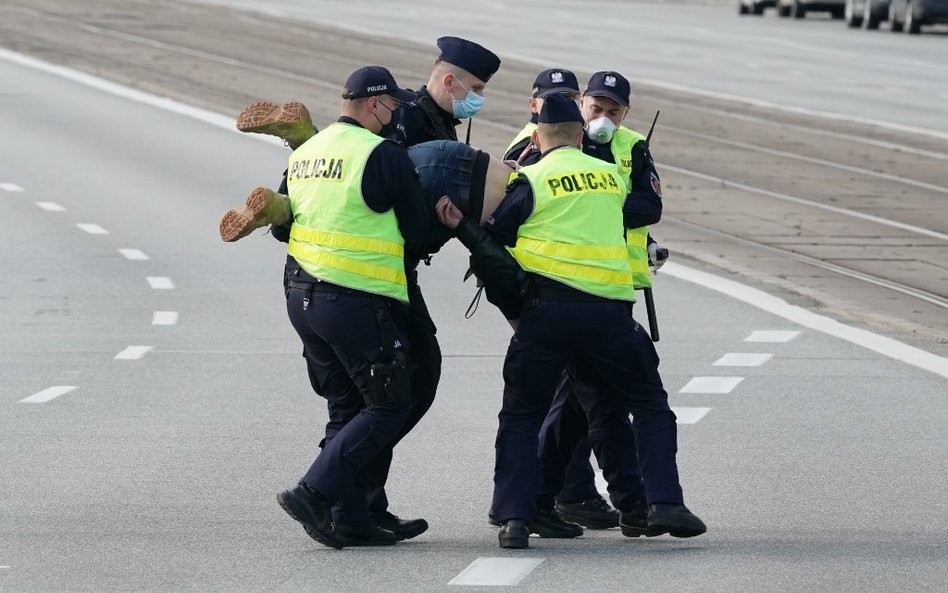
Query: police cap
pixel 609 84
pixel 369 81
pixel 555 80
pixel 558 109
pixel 476 59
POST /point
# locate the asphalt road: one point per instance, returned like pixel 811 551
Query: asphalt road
pixel 816 471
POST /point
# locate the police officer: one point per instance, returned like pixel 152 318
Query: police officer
pixel 454 91
pixel 604 104
pixel 357 210
pixel 547 82
pixel 568 473
pixel 562 219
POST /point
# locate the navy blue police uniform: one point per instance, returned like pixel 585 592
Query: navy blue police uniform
pixel 419 119
pixel 559 325
pixel 356 345
pixel 576 420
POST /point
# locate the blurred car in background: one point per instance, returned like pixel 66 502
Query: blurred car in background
pixel 868 13
pixel 798 8
pixel 910 15
pixel 754 6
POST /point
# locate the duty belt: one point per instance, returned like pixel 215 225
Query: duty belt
pixel 549 292
pixel 311 287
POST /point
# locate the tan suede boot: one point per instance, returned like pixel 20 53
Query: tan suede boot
pixel 263 207
pixel 290 121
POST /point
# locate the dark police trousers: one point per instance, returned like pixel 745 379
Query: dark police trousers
pixel 342 339
pixel 603 336
pixel 425 369
pixel 580 420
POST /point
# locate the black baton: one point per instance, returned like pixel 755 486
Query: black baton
pixel 649 299
pixel 650 310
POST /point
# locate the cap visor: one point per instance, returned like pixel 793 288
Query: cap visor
pixel 560 89
pixel 402 96
pixel 612 96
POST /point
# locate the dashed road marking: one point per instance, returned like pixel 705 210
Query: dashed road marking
pixel 51 206
pixel 10 187
pixel 774 336
pixel 711 385
pixel 50 393
pixel 133 254
pixel 742 359
pixel 496 572
pixel 160 282
pixel 690 415
pixel 164 318
pixel 92 229
pixel 133 352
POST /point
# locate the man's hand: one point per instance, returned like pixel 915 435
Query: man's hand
pixel 448 213
pixel 657 256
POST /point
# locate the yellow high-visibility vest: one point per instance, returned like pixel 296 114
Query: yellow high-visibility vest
pixel 335 236
pixel 574 234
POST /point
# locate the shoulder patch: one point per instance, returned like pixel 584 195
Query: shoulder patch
pixel 656 183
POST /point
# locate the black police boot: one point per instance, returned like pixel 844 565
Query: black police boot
pixel 492 519
pixel 312 510
pixel 364 533
pixel 514 534
pixel 592 513
pixel 673 519
pixel 547 523
pixel 402 528
pixel 634 523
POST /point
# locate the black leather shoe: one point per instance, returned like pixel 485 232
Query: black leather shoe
pixel 402 528
pixel 547 523
pixel 673 519
pixel 634 523
pixel 312 510
pixel 514 534
pixel 593 513
pixel 364 533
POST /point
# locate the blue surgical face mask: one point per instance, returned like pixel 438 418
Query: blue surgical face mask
pixel 468 106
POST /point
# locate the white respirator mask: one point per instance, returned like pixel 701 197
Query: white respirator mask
pixel 600 130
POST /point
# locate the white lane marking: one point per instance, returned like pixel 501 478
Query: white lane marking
pixel 788 198
pixel 777 306
pixel 771 336
pixel 10 186
pixel 92 229
pixel 496 572
pixel 133 254
pixel 41 397
pixel 690 415
pixel 742 359
pixel 215 119
pixel 164 318
pixel 711 385
pixel 51 206
pixel 160 282
pixel 133 352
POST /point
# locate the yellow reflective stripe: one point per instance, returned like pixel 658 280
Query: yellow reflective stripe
pixel 344 241
pixel 561 269
pixel 637 237
pixel 311 253
pixel 556 249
